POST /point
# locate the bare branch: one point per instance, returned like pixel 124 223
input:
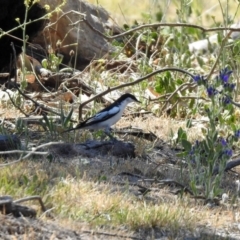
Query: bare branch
pixel 162 25
pixel 189 85
pixel 29 153
pixel 130 84
pixel 32 198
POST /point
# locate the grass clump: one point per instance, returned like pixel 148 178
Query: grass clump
pixel 83 201
pixel 79 199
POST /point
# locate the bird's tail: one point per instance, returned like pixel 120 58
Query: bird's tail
pixel 79 126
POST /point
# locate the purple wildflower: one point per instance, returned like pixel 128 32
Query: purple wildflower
pixel 232 86
pixel 223 142
pixel 237 133
pixel 229 86
pixel 211 91
pixel 225 74
pixel 226 100
pixel 199 79
pixel 228 152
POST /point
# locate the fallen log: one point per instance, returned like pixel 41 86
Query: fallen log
pixel 94 148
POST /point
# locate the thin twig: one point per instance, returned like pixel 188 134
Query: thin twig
pixel 110 234
pixel 43 208
pixel 29 153
pixel 172 181
pixel 22 152
pixel 219 54
pixel 15 105
pixel 23 94
pixel 155 25
pixel 130 84
pixel 188 85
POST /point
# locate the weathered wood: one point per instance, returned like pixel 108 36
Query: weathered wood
pixel 74 34
pixel 94 148
pixel 7 206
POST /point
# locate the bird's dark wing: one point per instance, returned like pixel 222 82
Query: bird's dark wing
pixel 101 116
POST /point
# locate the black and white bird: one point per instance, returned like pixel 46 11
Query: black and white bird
pixel 108 116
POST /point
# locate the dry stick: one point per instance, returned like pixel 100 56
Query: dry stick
pixel 160 97
pixel 148 26
pixel 37 104
pixel 189 85
pixel 219 54
pixel 158 71
pixel 130 84
pixel 23 94
pixel 231 164
pixel 65 14
pixel 43 208
pixel 144 26
pixel 20 26
pixel 20 151
pixel 182 88
pixel 110 234
pixel 174 25
pixel 162 25
pixel 45 17
pixel 32 44
pixel 183 97
pixel 187 98
pixel 29 153
pixel 13 103
pixel 171 181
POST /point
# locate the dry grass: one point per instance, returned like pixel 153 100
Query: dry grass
pixel 76 197
pixel 80 191
pixel 205 12
pixel 97 204
pixel 163 126
pixel 83 193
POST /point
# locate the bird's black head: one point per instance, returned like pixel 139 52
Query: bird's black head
pixel 128 97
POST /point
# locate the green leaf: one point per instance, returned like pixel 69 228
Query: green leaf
pixel 35 178
pixel 215 136
pixel 25 179
pixel 181 154
pixel 154 35
pixel 179 81
pixel 189 123
pixel 68 118
pixel 158 89
pixel 187 145
pixel 205 146
pixel 182 134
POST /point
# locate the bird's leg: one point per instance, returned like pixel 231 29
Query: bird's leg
pixel 108 133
